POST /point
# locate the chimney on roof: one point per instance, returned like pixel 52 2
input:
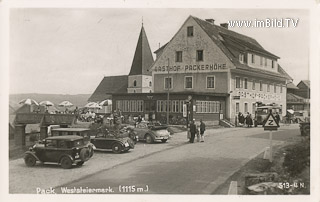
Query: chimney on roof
pixel 211 21
pixel 225 25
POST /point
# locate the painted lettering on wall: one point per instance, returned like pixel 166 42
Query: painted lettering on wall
pixel 258 96
pixel 191 68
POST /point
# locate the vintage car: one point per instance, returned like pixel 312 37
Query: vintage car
pixel 262 113
pixel 110 140
pixel 64 150
pixel 150 132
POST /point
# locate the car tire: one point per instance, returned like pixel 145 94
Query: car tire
pixel 66 162
pixel 84 154
pixel 116 148
pixel 80 163
pixel 149 139
pixel 163 141
pixel 30 160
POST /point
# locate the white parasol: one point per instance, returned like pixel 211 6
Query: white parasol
pixel 28 101
pixel 105 103
pixel 65 104
pixel 46 103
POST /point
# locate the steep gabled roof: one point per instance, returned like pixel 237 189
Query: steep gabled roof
pixel 293 98
pixel 223 37
pixel 109 85
pixel 303 84
pixel 143 58
pixel 291 86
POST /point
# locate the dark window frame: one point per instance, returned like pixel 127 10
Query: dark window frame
pixel 190 31
pixel 200 56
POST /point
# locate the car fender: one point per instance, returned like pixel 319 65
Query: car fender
pixel 67 155
pixel 33 154
pixel 118 141
pixel 149 133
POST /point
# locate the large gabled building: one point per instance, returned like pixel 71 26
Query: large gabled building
pixel 218 72
pixel 226 71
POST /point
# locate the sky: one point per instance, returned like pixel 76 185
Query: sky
pixel 69 51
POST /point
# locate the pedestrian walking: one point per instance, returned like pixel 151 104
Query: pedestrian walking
pixel 241 118
pixel 277 117
pixel 193 131
pixel 249 120
pixel 202 129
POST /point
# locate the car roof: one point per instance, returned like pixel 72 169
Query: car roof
pixel 70 129
pixel 65 137
pixel 268 107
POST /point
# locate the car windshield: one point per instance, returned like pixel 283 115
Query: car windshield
pixel 142 125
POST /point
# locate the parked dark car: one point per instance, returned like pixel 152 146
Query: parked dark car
pixel 64 150
pixel 111 141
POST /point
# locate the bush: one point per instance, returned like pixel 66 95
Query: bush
pixel 297 158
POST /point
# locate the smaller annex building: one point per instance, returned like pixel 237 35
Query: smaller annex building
pixel 208 72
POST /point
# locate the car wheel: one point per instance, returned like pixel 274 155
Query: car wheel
pixel 30 160
pixel 149 139
pixel 164 140
pixel 80 163
pixel 84 154
pixel 66 162
pixel 117 148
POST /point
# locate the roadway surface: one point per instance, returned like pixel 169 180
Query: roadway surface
pixel 197 168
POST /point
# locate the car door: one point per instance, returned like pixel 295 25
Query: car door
pixel 51 153
pixel 140 132
pixel 98 141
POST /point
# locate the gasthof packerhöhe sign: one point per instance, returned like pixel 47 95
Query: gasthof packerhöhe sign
pixel 191 68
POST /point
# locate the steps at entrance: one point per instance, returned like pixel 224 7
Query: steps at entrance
pixel 226 123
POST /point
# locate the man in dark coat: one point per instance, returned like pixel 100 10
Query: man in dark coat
pixel 202 129
pixel 277 117
pixel 193 131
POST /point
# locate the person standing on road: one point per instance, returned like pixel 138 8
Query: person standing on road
pixel 277 117
pixel 202 129
pixel 193 131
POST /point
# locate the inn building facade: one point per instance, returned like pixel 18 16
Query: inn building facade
pixel 217 71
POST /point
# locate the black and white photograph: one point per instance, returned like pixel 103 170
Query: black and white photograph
pixel 155 100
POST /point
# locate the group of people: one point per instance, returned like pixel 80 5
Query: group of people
pixel 245 120
pixel 194 131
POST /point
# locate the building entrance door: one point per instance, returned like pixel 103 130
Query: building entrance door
pixel 150 109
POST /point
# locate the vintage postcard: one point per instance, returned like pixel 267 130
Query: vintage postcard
pixel 138 100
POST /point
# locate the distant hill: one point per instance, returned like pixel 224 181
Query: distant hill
pixel 78 100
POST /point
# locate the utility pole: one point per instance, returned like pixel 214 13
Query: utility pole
pixel 168 94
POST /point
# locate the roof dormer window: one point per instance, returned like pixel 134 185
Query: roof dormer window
pixel 241 58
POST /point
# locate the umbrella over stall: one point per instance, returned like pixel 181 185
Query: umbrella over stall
pixel 65 104
pixel 47 104
pixel 93 105
pixel 106 103
pixel 31 103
